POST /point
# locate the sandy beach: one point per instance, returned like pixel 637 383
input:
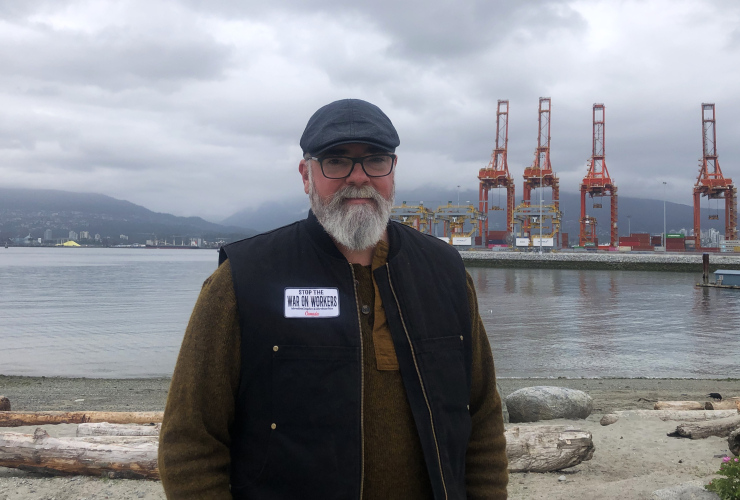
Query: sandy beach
pixel 633 458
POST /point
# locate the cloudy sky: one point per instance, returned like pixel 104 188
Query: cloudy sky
pixel 195 107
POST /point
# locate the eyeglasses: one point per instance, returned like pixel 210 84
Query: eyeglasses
pixel 341 167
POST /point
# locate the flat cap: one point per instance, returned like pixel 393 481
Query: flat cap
pixel 348 121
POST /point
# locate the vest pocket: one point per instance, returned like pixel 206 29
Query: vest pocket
pixel 316 416
pixel 442 364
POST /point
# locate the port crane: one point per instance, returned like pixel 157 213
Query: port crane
pixel 496 175
pixel 597 183
pixel 710 182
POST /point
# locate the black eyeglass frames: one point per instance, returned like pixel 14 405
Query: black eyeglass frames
pixel 341 167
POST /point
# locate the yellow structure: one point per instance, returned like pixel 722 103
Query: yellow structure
pixel 68 244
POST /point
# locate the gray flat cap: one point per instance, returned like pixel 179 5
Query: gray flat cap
pixel 348 121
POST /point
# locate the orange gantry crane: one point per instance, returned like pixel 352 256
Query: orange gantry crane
pixel 711 183
pixel 496 175
pixel 540 174
pixel 597 183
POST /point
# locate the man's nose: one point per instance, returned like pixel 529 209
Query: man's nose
pixel 358 175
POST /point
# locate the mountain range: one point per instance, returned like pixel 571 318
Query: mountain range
pixel 32 211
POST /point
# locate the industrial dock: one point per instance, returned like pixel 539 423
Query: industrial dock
pixel 623 261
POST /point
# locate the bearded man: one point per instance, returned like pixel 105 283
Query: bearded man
pixel 340 357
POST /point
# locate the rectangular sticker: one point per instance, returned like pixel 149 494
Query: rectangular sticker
pixel 311 303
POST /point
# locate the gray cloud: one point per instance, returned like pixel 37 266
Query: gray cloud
pixel 195 107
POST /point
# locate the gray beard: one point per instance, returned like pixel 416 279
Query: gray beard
pixel 356 227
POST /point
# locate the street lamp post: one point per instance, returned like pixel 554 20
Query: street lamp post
pixel 458 195
pixel 629 225
pixel 664 226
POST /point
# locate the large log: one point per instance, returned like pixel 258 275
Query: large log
pixel 699 430
pixel 106 429
pixel 733 440
pixel 19 418
pixel 678 405
pixel 685 416
pixel 119 457
pixel 545 448
pixel 721 405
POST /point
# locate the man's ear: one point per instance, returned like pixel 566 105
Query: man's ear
pixel 303 167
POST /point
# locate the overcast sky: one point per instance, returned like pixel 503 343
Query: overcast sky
pixel 195 107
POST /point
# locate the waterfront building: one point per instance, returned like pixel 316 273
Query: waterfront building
pixel 97 237
pixel 72 235
pixel 47 235
pixel 123 237
pixel 84 235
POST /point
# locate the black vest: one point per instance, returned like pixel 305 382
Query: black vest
pixel 298 430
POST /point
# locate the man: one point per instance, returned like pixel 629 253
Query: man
pixel 340 357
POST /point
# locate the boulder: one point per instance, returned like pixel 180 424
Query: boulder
pixel 532 404
pixel 4 404
pixel 503 403
pixel 693 490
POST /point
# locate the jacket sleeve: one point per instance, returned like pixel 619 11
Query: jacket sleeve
pixel 486 466
pixel 194 455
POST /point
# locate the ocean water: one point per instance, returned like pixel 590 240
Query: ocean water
pixel 122 313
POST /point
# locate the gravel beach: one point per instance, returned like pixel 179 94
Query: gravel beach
pixel 632 458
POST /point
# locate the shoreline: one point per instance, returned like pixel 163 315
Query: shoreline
pixel 150 394
pixel 606 261
pixel 633 458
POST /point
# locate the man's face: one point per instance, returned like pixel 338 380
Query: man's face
pixel 353 210
pixel 326 188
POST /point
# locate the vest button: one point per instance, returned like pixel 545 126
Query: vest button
pixel 365 309
pixel 273 427
pixel 275 348
pixel 461 337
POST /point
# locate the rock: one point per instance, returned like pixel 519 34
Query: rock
pixel 4 404
pixel 532 404
pixel 561 478
pixel 693 490
pixel 503 403
pixel 733 441
pixel 609 419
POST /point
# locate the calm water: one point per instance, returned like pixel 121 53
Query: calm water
pixel 122 313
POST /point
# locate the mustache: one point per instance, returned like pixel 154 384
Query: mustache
pixel 351 192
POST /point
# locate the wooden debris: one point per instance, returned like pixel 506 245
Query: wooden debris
pixel 545 448
pixel 119 457
pixel 4 404
pixel 682 415
pixel 725 404
pixel 106 429
pixel 678 405
pixel 19 418
pixel 699 430
pixel 733 440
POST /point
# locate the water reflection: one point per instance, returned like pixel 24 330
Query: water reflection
pixel 608 323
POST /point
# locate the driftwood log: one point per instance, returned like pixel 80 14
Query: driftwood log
pixel 106 429
pixel 726 404
pixel 678 405
pixel 545 448
pixel 699 430
pixel 733 440
pixel 685 416
pixel 119 457
pixel 19 418
pixel 4 404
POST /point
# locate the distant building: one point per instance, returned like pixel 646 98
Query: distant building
pixel 123 237
pixel 84 235
pixel 72 235
pixel 97 237
pixel 47 235
pixel 150 243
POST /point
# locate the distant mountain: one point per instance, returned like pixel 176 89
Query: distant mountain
pixel 24 211
pixel 646 214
